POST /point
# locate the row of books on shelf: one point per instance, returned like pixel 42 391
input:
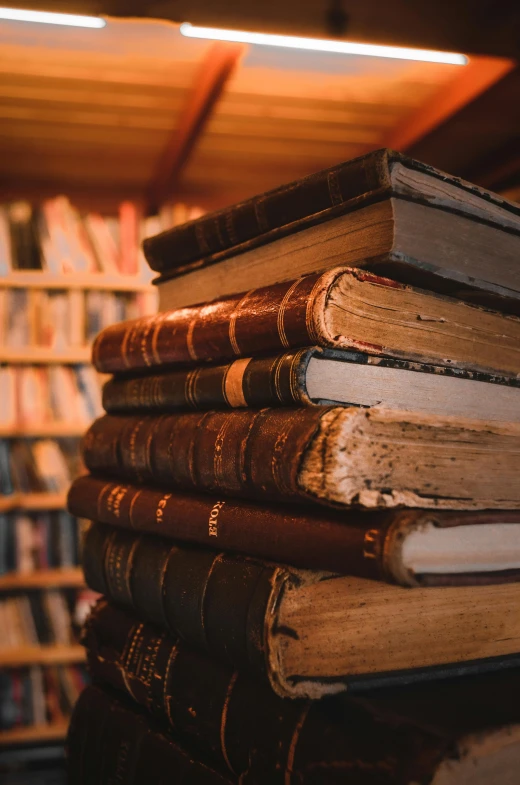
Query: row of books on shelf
pixel 39 695
pixel 39 541
pixel 56 237
pixel 63 319
pixel 48 617
pixel 38 465
pixel 36 395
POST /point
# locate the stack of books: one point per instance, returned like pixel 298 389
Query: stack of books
pixel 305 495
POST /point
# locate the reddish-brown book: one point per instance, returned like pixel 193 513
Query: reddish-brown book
pixel 410 547
pixel 342 308
pixel 259 737
pixel 310 633
pixel 318 376
pixel 338 456
pixel 111 741
pixel 383 211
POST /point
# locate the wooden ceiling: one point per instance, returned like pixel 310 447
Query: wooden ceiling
pixel 138 111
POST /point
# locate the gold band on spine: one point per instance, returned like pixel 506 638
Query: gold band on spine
pixel 189 386
pixel 189 340
pixel 105 488
pixel 310 322
pixel 155 325
pixel 124 346
pixel 281 313
pixel 234 383
pixel 292 747
pixel 131 508
pixel 233 321
pixel 223 719
pixel 166 702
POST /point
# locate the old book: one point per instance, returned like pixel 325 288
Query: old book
pixel 318 376
pixel 410 547
pixel 331 455
pixel 343 308
pixel 110 741
pixel 436 733
pixel 382 211
pixel 309 632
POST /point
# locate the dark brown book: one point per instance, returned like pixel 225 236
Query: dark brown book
pixel 313 376
pixel 309 633
pixel 401 735
pixel 337 456
pixel 383 211
pixel 410 547
pixel 110 741
pixel 343 308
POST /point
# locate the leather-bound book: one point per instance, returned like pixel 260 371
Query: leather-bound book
pixel 410 547
pixel 314 376
pixel 336 456
pixel 310 633
pixel 110 741
pixel 383 211
pixel 406 735
pixel 343 308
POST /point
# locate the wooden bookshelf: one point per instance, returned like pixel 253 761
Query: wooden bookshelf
pixel 51 429
pixel 64 577
pixel 40 279
pixel 42 354
pixel 19 656
pixel 33 501
pixel 55 731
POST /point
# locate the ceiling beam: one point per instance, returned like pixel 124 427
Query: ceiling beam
pixel 210 80
pixel 473 80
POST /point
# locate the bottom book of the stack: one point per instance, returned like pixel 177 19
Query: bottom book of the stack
pixel 162 712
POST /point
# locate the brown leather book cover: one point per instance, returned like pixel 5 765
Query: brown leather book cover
pixel 404 733
pixel 351 543
pixel 283 380
pixel 307 632
pixel 297 205
pixel 342 308
pixel 111 741
pixel 371 458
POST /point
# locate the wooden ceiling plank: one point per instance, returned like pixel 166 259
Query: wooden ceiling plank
pixel 213 73
pixel 474 79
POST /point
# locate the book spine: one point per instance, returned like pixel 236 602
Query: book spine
pixel 268 319
pixel 309 198
pixel 216 602
pixel 248 453
pixel 173 682
pixel 346 543
pixel 249 382
pixel 109 743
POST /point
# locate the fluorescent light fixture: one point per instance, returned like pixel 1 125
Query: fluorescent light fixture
pixel 323 45
pixel 48 18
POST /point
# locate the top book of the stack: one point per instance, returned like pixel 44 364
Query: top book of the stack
pixel 383 212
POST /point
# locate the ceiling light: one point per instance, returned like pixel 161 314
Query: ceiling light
pixel 48 18
pixel 323 45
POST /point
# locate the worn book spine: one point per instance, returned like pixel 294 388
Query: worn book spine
pixel 109 742
pixel 270 215
pixel 269 319
pixel 216 602
pixel 247 453
pixel 251 381
pixel 174 683
pixel 241 724
pixel 349 543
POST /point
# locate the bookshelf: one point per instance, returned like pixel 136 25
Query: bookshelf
pixel 56 578
pixel 84 302
pixel 20 656
pixel 53 731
